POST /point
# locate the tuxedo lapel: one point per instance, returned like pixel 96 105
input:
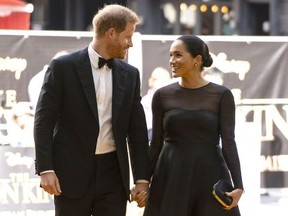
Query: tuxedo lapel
pixel 85 75
pixel 119 79
pixel 119 82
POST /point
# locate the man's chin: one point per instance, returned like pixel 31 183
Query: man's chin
pixel 174 75
pixel 123 57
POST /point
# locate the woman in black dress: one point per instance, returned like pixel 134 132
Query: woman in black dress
pixel 190 118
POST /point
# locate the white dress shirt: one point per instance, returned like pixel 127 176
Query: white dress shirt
pixel 102 78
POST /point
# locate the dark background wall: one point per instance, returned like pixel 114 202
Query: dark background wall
pixel 251 17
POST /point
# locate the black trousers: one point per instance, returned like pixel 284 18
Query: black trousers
pixel 106 196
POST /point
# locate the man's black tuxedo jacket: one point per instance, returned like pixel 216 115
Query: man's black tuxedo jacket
pixel 66 123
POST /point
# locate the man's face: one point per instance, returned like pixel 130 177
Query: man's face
pixel 121 42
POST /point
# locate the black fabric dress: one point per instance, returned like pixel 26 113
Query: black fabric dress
pixel 187 159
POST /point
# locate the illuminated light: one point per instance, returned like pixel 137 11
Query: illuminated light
pixel 193 7
pixel 203 8
pixel 214 8
pixel 29 8
pixel 183 6
pixel 224 9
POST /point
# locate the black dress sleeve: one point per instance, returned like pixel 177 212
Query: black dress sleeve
pixel 157 131
pixel 227 127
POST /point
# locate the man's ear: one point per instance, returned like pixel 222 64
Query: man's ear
pixel 110 33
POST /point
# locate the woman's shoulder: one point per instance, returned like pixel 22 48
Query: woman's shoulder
pixel 223 92
pixel 218 87
pixel 168 88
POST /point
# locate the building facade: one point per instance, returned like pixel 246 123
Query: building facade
pixel 206 17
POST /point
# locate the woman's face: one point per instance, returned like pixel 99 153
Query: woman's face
pixel 181 62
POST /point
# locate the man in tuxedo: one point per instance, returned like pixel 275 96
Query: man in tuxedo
pixel 88 110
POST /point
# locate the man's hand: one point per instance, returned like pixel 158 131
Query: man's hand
pixel 50 183
pixel 140 193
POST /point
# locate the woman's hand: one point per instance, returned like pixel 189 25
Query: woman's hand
pixel 236 195
pixel 140 193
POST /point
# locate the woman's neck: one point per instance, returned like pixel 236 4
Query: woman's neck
pixel 196 82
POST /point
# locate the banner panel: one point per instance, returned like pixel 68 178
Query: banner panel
pixel 24 57
pixel 20 193
pixel 255 69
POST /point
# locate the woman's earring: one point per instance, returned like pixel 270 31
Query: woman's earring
pixel 195 64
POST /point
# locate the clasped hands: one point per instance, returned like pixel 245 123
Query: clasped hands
pixel 140 193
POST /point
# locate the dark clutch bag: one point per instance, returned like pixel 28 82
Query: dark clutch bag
pixel 219 190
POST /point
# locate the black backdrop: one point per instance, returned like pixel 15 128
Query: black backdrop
pixel 254 66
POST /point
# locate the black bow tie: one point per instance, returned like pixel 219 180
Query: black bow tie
pixel 103 61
